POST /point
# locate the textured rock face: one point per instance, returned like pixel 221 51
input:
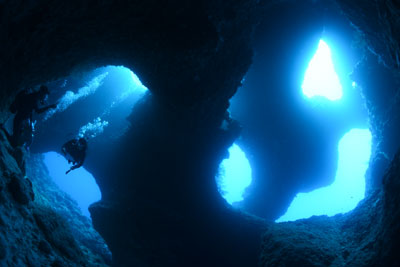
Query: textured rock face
pixel 378 74
pixel 367 236
pixel 32 232
pixel 160 204
pixel 49 196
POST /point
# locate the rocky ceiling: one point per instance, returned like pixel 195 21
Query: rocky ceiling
pixel 160 204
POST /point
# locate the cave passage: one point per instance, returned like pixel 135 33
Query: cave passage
pixel 354 149
pixel 93 105
pixel 234 175
pixel 79 184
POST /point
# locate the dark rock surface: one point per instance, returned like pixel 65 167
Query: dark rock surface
pixel 160 204
pixel 185 218
pixel 21 189
pixel 378 74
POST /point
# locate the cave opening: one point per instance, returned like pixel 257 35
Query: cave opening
pixel 320 78
pixel 354 148
pixel 92 105
pixel 234 175
pixel 311 132
pixel 80 184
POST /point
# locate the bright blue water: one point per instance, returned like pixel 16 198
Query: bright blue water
pixel 234 175
pixel 354 149
pixel 79 183
pixel 347 190
pixel 321 78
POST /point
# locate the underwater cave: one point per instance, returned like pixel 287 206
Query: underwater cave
pixel 321 83
pixel 268 135
pixel 94 106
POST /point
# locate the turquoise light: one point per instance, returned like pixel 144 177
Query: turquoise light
pixel 79 183
pixel 138 86
pixel 348 188
pixel 320 77
pixel 234 175
pixel 118 89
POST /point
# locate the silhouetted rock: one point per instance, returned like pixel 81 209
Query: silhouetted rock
pixel 21 189
pixel 3 249
pixel 44 247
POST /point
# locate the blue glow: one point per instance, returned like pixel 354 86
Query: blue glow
pixel 234 175
pixel 108 95
pixel 79 183
pixel 138 86
pixel 320 78
pixel 348 188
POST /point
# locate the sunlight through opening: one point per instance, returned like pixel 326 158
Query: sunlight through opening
pixel 79 184
pixel 320 78
pixel 94 106
pixel 354 150
pixel 234 175
pixel 348 188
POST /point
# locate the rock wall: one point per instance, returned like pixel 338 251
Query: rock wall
pixel 367 236
pixel 32 231
pixel 49 195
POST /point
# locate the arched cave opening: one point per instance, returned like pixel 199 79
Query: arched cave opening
pixel 80 185
pixel 93 105
pixel 234 175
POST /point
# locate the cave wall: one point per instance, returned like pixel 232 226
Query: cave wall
pixel 32 231
pixel 378 74
pixel 166 210
pixel 47 195
pixel 145 37
pixel 160 204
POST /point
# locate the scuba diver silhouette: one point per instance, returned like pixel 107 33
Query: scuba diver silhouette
pixel 75 152
pixel 23 106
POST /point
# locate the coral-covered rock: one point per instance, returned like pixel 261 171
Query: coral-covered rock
pixel 34 233
pixel 21 189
